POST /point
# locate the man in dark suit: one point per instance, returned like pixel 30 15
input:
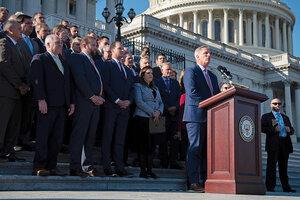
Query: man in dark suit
pixel 62 32
pixel 38 18
pixel 42 30
pixel 169 90
pixel 278 128
pixel 3 17
pixel 200 84
pixel 12 87
pixel 160 59
pixel 89 96
pixel 51 83
pixel 119 95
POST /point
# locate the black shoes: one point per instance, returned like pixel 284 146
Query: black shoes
pixel 78 172
pixel 290 190
pixel 14 158
pixel 109 172
pixel 152 175
pixel 40 172
pixel 144 174
pixel 94 172
pixel 124 173
pixel 175 166
pixel 57 172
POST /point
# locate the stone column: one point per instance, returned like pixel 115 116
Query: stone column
pixel 236 30
pixel 259 33
pixel 225 36
pixel 255 28
pixel 284 39
pixel 181 20
pixel 249 30
pixel 290 50
pixel 288 100
pixel 11 6
pixel 168 19
pixel 292 43
pixel 62 8
pixel 195 14
pixel 210 24
pixel 81 11
pixel 277 40
pixel 267 30
pixel 111 27
pixel 241 28
pixel 297 105
pixel 269 92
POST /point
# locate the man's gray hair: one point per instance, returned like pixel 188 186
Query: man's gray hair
pixel 49 38
pixel 10 24
pixel 197 51
pixel 3 8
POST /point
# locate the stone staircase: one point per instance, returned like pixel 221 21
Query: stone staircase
pixel 17 176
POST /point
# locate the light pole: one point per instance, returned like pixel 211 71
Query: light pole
pixel 118 19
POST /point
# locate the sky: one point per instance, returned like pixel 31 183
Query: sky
pixel 144 4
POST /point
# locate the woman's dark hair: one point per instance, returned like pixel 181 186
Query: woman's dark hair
pixel 142 74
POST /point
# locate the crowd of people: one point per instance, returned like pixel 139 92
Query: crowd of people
pixel 59 88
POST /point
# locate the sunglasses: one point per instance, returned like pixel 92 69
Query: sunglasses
pixel 276 104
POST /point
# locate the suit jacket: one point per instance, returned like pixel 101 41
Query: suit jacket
pixel 169 97
pixel 12 69
pixel 272 139
pixel 86 79
pixel 146 103
pixel 116 86
pixel 157 72
pixel 42 48
pixel 197 90
pixel 48 82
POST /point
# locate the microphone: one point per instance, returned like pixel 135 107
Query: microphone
pixel 225 73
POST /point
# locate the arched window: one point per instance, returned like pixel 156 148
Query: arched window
pixel 230 31
pixel 191 26
pixel 204 29
pixel 263 35
pixel 217 30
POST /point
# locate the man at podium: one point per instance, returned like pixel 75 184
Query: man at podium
pixel 200 84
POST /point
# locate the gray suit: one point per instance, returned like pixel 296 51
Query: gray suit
pixel 145 101
pixel 12 74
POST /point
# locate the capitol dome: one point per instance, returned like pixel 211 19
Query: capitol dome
pixel 261 27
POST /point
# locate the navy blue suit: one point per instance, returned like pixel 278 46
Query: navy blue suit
pixel 170 97
pixel 197 90
pixel 115 118
pixel 51 85
pixel 86 116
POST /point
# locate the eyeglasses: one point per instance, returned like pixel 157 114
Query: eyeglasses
pixel 276 104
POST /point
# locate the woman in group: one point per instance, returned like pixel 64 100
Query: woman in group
pixel 148 105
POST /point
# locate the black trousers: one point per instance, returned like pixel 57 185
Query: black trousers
pixel 10 120
pixel 49 137
pixel 282 156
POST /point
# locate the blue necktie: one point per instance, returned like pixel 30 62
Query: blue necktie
pixel 281 123
pixel 27 40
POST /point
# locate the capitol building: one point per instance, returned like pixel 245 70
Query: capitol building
pixel 253 39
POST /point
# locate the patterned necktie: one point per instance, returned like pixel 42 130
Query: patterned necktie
pixel 281 123
pixel 122 70
pixel 27 40
pixel 208 82
pixel 59 65
pixel 94 65
pixel 167 83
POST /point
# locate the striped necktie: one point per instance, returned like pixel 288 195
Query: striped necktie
pixel 209 82
pixel 59 65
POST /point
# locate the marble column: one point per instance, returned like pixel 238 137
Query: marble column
pixel 290 50
pixel 259 33
pixel 249 30
pixel 236 30
pixel 210 24
pixel 284 38
pixel 31 6
pixel 62 7
pixel 267 28
pixel 195 15
pixel 292 43
pixel 11 6
pixel 254 16
pixel 288 100
pixel 277 40
pixel 168 19
pixel 181 20
pixel 241 28
pixel 269 92
pixel 81 11
pixel 225 36
pixel 297 105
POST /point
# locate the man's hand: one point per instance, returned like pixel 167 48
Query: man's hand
pixel 172 110
pixel 97 100
pixel 156 115
pixel 24 88
pixel 278 128
pixel 43 106
pixel 71 109
pixel 123 103
pixel 288 130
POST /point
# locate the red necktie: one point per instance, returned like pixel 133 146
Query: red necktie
pixel 2 26
pixel 209 82
pixel 121 68
pixel 93 63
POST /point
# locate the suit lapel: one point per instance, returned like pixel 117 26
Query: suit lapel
pixel 89 64
pixel 53 63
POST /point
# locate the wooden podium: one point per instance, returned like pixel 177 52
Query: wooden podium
pixel 234 163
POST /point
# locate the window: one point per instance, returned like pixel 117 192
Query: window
pixel 191 27
pixel 230 31
pixel 217 30
pixel 204 29
pixel 263 35
pixel 271 37
pixel 72 7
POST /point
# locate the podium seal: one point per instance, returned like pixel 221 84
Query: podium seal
pixel 246 128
